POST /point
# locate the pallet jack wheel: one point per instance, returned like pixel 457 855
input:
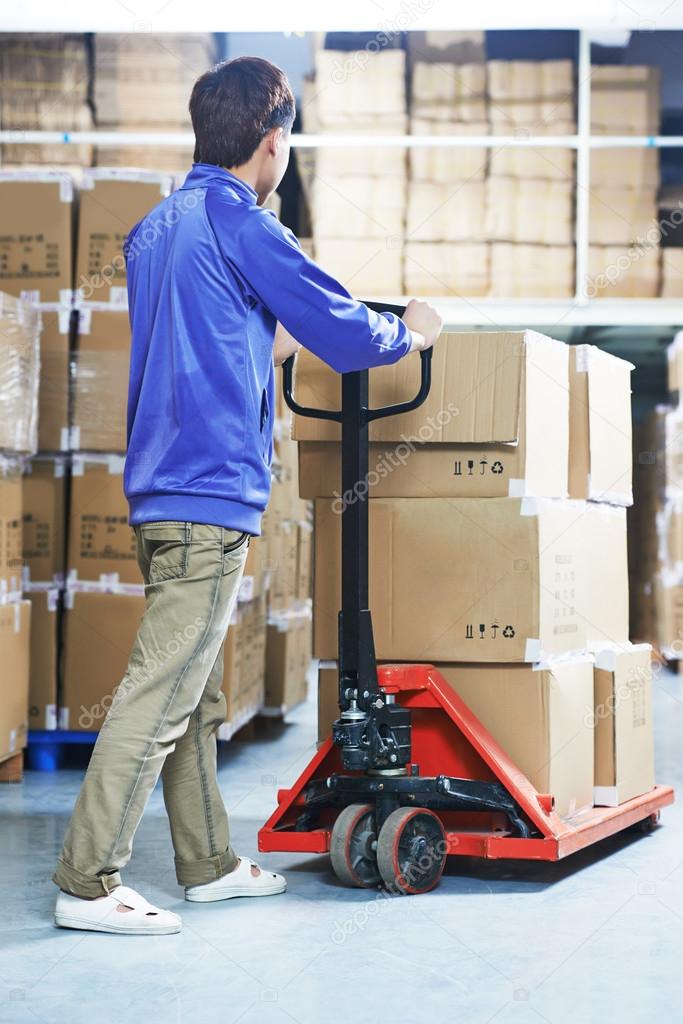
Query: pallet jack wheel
pixel 411 850
pixel 650 823
pixel 353 847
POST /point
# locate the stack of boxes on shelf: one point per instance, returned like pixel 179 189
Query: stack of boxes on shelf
pixel 530 191
pixel 359 194
pixel 656 522
pixel 624 238
pixel 498 550
pixel 19 367
pixel 142 83
pixel 45 86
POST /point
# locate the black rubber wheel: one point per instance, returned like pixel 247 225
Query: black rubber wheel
pixel 411 850
pixel 353 847
pixel 650 823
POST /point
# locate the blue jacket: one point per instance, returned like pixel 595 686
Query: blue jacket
pixel 209 274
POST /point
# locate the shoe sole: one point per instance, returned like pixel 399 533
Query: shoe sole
pixel 229 894
pixel 87 926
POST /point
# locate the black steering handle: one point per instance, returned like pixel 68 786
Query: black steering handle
pixel 369 414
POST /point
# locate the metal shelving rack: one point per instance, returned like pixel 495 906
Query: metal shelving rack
pixel 578 311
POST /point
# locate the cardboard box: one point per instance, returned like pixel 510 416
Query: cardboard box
pixel 112 201
pixel 53 394
pixel 304 550
pixel 632 167
pixel 359 84
pixel 615 272
pixel 625 99
pixel 19 375
pixel 541 716
pixel 499 579
pixel 540 164
pixel 43 517
pixel 15 623
pixel 606 608
pixel 531 212
pixel 530 79
pixel 624 738
pixel 99 633
pixel 283 547
pixel 441 45
pixel 524 271
pixel 446 213
pixel 668 615
pixel 533 116
pixel 447 164
pixel 101 543
pixel 364 266
pixel 35 239
pixel 358 207
pixel 498 404
pixel 459 91
pixel 44 654
pixel 244 659
pixel 600 442
pixel 11 558
pixel 288 656
pixel 446 268
pixel 672 279
pixel 328 697
pixel 100 380
pixel 620 216
pixel 368 161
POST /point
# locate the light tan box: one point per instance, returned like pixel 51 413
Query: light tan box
pixel 531 271
pixel 635 167
pixel 625 99
pixel 446 268
pixel 539 163
pixel 358 207
pixel 532 212
pixel 15 624
pixel 363 161
pixel 533 116
pixel 328 698
pixel 623 272
pixel 36 208
pixel 11 546
pixel 44 513
pixel 20 326
pixel 447 164
pixel 53 395
pixel 100 380
pixel 620 216
pixel 359 84
pixel 442 45
pixel 672 279
pixel 101 543
pixel 364 266
pixel 112 201
pixel 530 79
pixel 244 659
pixel 44 656
pixel 499 579
pixel 624 735
pixel 446 213
pixel 288 656
pixel 600 442
pixel 99 632
pixel 606 609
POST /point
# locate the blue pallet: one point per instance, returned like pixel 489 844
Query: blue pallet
pixel 46 747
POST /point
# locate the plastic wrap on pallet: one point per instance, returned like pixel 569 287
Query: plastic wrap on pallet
pixel 99 380
pixel 20 325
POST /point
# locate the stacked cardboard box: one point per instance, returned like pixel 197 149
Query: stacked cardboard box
pixel 358 196
pixel 45 82
pixel 142 83
pixel 530 191
pixel 624 237
pixel 497 544
pixel 446 191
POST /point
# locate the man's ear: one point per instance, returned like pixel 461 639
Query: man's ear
pixel 274 139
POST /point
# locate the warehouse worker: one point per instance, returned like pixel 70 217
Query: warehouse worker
pixel 210 274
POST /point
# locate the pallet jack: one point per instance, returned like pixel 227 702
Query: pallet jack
pixel 409 775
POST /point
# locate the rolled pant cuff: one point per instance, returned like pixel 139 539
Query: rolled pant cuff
pixel 199 872
pixel 86 886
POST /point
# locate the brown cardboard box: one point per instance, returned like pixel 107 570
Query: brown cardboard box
pixel 616 272
pixel 499 579
pixel 43 659
pixel 625 99
pixel 445 213
pixel 447 164
pixel 282 554
pixel 620 216
pixel 624 740
pixel 44 512
pixel 606 608
pixel 101 544
pixel 358 207
pixel 342 94
pixel 446 268
pixel 542 717
pixel 498 404
pixel 112 201
pixel 328 698
pixel 288 655
pixel 600 442
pixel 634 167
pixel 19 375
pixel 35 240
pixel 244 657
pixel 529 79
pixel 15 622
pixel 531 271
pixel 98 637
pixel 526 162
pixel 11 558
pixel 100 380
pixel 362 264
pixel 531 212
pixel 53 395
pixel 672 277
pixel 304 548
pixel 440 45
pixel 254 575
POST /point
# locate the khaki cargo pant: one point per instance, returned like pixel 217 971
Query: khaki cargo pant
pixel 164 716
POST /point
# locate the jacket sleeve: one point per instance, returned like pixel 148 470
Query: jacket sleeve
pixel 314 307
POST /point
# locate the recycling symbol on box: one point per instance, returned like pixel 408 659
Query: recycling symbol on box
pixel 508 632
pixel 497 467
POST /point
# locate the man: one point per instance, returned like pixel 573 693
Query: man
pixel 210 274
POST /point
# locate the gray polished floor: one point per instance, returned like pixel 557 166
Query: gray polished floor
pixel 597 938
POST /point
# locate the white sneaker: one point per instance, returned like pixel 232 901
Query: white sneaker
pixel 103 915
pixel 240 882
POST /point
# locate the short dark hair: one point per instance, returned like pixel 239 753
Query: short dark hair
pixel 234 106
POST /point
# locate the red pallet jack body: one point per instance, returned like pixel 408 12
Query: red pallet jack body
pixel 448 739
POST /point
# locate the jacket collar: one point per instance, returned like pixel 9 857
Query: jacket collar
pixel 202 175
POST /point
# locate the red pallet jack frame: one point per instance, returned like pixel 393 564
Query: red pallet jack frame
pixel 448 739
pixel 410 775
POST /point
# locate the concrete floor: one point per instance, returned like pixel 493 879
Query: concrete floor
pixel 596 938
